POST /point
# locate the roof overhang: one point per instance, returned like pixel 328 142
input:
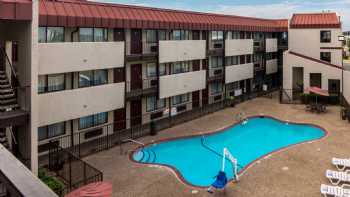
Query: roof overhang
pixel 16 10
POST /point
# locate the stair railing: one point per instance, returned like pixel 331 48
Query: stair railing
pixel 13 72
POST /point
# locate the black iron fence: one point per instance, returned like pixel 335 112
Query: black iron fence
pixel 71 169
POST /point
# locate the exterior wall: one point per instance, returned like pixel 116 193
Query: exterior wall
pixel 271 45
pixel 346 88
pixel 239 72
pixel 172 85
pixel 71 104
pixel 181 50
pixel 328 72
pixel 239 47
pixel 307 42
pixel 271 66
pixel 79 56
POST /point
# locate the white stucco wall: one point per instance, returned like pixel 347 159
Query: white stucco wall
pixel 239 72
pixel 271 66
pixel 271 45
pixel 181 50
pixel 347 85
pixel 239 47
pixel 290 61
pixel 172 85
pixel 307 42
pixel 79 56
pixel 71 104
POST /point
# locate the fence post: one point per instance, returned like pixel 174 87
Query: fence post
pixel 70 170
pixel 84 173
pixel 79 153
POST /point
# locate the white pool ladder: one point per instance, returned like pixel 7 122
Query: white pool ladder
pixel 226 153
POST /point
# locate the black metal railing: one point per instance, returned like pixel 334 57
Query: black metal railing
pixel 71 169
pixel 14 78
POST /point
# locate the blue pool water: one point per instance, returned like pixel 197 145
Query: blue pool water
pixel 198 160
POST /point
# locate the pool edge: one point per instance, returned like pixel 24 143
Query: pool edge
pixel 208 133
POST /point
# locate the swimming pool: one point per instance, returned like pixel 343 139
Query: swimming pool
pixel 198 159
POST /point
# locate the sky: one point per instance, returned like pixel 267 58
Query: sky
pixel 255 8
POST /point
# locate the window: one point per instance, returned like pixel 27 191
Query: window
pixel 242 59
pixel 232 60
pixel 51 34
pixel 93 120
pixel 55 34
pixel 316 80
pixel 217 35
pixel 325 56
pixel 100 35
pixel 151 36
pixel 86 35
pixel 162 34
pixel 235 35
pixel 51 83
pixel 153 104
pixel 42 34
pixel 51 131
pixel 216 62
pixel 162 70
pixel 179 99
pixel 180 35
pixel 215 88
pixel 326 36
pixel 179 67
pixel 93 78
pixel 151 70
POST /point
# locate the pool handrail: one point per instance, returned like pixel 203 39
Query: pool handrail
pixel 130 140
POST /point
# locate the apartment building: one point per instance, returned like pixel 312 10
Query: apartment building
pixel 314 57
pixel 78 67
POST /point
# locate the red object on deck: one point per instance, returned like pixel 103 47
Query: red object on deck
pixel 319 91
pixel 98 189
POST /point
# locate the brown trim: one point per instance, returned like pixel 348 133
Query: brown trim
pixel 315 60
pixel 16 10
pixel 338 48
pixel 182 179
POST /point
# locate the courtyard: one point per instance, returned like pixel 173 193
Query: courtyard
pixel 295 171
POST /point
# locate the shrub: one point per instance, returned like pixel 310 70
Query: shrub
pixel 53 183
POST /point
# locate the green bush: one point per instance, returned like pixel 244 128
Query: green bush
pixel 53 183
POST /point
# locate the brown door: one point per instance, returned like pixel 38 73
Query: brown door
pixel 136 41
pixel 136 76
pixel 136 112
pixel 195 35
pixel 119 35
pixel 119 119
pixel 205 96
pixel 119 75
pixel 195 99
pixel 196 65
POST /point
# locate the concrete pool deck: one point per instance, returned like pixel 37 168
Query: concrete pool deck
pixel 296 171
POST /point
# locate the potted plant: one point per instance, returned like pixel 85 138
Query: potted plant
pixel 343 113
pixel 153 130
pixel 232 101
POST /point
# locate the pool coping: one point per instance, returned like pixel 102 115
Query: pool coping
pixel 220 130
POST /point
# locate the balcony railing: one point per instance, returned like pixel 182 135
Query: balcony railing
pixel 141 50
pixel 259 45
pixel 215 73
pixel 141 88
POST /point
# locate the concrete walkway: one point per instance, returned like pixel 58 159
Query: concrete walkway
pixel 297 171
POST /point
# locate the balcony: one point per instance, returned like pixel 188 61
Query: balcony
pixel 239 47
pixel 259 46
pixel 143 88
pixel 271 66
pixel 239 72
pixel 138 51
pixel 181 50
pixel 271 45
pixel 72 104
pixel 216 48
pixel 79 56
pixel 176 84
pixel 215 74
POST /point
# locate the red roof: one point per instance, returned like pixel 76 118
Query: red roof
pixel 16 9
pixel 73 13
pixel 315 20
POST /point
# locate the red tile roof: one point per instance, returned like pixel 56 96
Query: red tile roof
pixel 315 20
pixel 73 13
pixel 16 9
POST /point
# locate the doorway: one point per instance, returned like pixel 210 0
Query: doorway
pixel 136 41
pixel 136 76
pixel 135 112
